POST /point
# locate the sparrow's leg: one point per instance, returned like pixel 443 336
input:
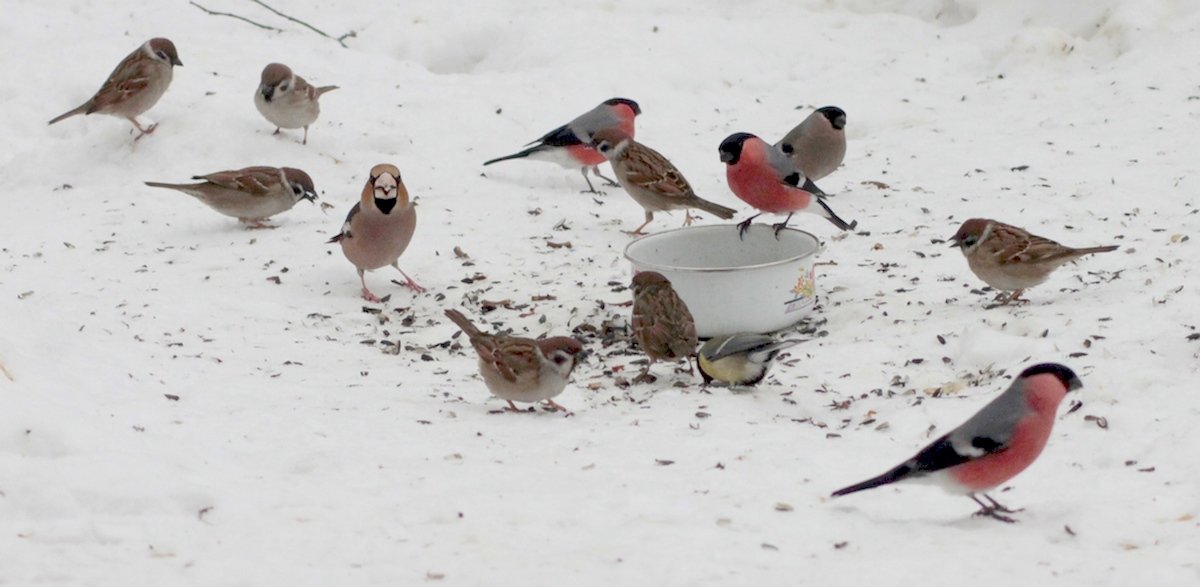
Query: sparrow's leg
pixel 305 141
pixel 277 129
pixel 688 218
pixel 366 293
pixel 990 511
pixel 638 231
pixel 591 189
pixel 512 407
pixel 142 131
pixel 744 226
pixel 556 406
pixel 782 225
pixel 645 376
pixel 596 172
pixel 408 281
pixel 999 507
pixel 256 223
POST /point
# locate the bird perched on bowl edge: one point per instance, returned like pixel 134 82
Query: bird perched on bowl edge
pixel 286 100
pixel 998 442
pixel 762 176
pixel 570 144
pixel 662 324
pixel 650 179
pixel 135 86
pixel 252 194
pixel 522 369
pixel 817 145
pixel 379 227
pixel 1012 259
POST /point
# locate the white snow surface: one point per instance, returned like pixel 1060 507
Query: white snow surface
pixel 195 403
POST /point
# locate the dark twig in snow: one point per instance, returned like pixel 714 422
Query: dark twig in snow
pixel 340 40
pixel 241 18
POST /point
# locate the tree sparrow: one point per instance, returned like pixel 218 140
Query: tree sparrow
pixel 134 86
pixel 762 176
pixel 1011 259
pixel 252 194
pixel 662 323
pixel 379 227
pixel 286 100
pixel 650 178
pixel 996 444
pixel 570 144
pixel 522 369
pixel 817 145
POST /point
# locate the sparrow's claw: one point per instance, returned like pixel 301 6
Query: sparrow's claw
pixel 553 405
pixel 370 297
pixel 645 376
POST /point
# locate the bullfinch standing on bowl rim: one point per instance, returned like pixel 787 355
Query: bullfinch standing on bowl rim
pixel 996 444
pixel 570 145
pixel 763 176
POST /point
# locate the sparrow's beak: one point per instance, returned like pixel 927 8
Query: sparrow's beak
pixel 953 241
pixel 176 62
pixel 310 196
pixel 268 92
pixel 726 156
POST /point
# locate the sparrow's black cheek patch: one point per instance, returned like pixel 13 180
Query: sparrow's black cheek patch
pixel 385 206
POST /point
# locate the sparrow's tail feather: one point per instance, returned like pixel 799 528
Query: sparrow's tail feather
pixel 518 155
pixel 1090 250
pixel 463 323
pixel 170 186
pixel 323 89
pixel 834 218
pixel 82 109
pixel 890 477
pixel 715 209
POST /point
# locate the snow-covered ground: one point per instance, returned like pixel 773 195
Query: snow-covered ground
pixel 191 402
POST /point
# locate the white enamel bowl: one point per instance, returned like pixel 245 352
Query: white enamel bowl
pixel 758 284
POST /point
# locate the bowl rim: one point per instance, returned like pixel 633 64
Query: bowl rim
pixel 658 267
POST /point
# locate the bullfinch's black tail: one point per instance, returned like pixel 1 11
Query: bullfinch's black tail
pixel 890 477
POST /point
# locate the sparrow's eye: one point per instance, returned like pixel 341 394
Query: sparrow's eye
pixel 970 241
pixel 297 190
pixel 603 147
pixel 283 88
pixel 161 55
pixel 560 358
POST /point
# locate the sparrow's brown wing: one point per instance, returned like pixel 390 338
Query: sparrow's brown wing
pixel 131 76
pixel 1018 246
pixel 256 181
pixel 647 168
pixel 513 357
pixel 663 324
